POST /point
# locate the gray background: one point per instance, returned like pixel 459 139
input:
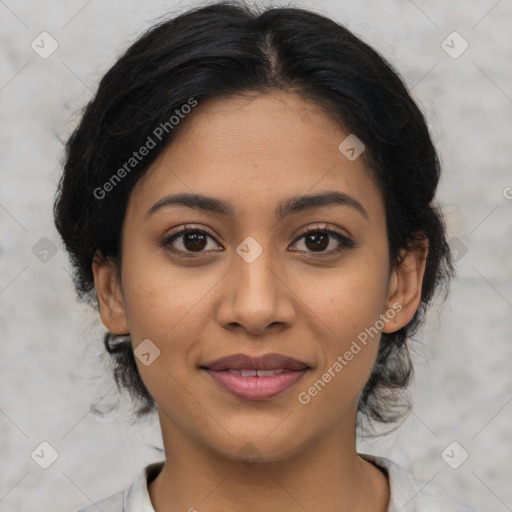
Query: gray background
pixel 52 366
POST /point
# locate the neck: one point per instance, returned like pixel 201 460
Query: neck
pixel 327 475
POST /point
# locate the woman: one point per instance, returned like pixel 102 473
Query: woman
pixel 249 201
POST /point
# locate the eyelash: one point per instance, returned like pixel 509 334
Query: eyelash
pixel 345 242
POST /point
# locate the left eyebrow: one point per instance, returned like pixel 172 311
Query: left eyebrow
pixel 289 206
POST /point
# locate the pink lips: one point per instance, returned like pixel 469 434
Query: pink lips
pixel 260 383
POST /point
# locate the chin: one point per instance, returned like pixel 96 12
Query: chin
pixel 258 447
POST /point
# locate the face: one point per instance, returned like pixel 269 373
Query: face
pixel 205 283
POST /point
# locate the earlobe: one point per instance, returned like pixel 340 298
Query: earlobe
pixel 110 298
pixel 404 294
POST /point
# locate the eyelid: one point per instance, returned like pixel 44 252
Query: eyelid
pixel 189 227
pixel 323 227
pixel 344 240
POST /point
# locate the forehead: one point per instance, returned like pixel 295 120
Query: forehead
pixel 254 151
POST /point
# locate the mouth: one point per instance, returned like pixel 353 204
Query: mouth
pixel 256 378
pixel 270 361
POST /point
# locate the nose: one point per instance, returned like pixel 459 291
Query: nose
pixel 256 296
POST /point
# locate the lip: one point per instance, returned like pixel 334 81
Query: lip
pixel 256 387
pixel 271 361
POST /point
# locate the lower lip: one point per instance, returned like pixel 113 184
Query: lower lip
pixel 256 388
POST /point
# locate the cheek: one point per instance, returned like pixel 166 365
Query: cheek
pixel 168 305
pixel 345 309
pixel 346 300
pixel 348 344
pixel 160 297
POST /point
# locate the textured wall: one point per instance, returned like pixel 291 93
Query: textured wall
pixel 51 364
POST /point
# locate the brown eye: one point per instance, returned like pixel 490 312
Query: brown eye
pixel 188 241
pixel 194 242
pixel 317 240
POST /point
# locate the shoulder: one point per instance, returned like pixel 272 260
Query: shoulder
pixel 412 494
pixel 113 503
pixel 134 498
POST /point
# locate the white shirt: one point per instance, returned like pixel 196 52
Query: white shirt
pixel 407 494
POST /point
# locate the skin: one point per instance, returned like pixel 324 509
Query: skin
pixel 255 152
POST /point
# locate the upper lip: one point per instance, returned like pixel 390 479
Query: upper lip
pixel 270 361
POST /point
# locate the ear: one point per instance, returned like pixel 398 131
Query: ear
pixel 404 289
pixel 110 297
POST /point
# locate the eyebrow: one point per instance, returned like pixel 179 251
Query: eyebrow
pixel 289 206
